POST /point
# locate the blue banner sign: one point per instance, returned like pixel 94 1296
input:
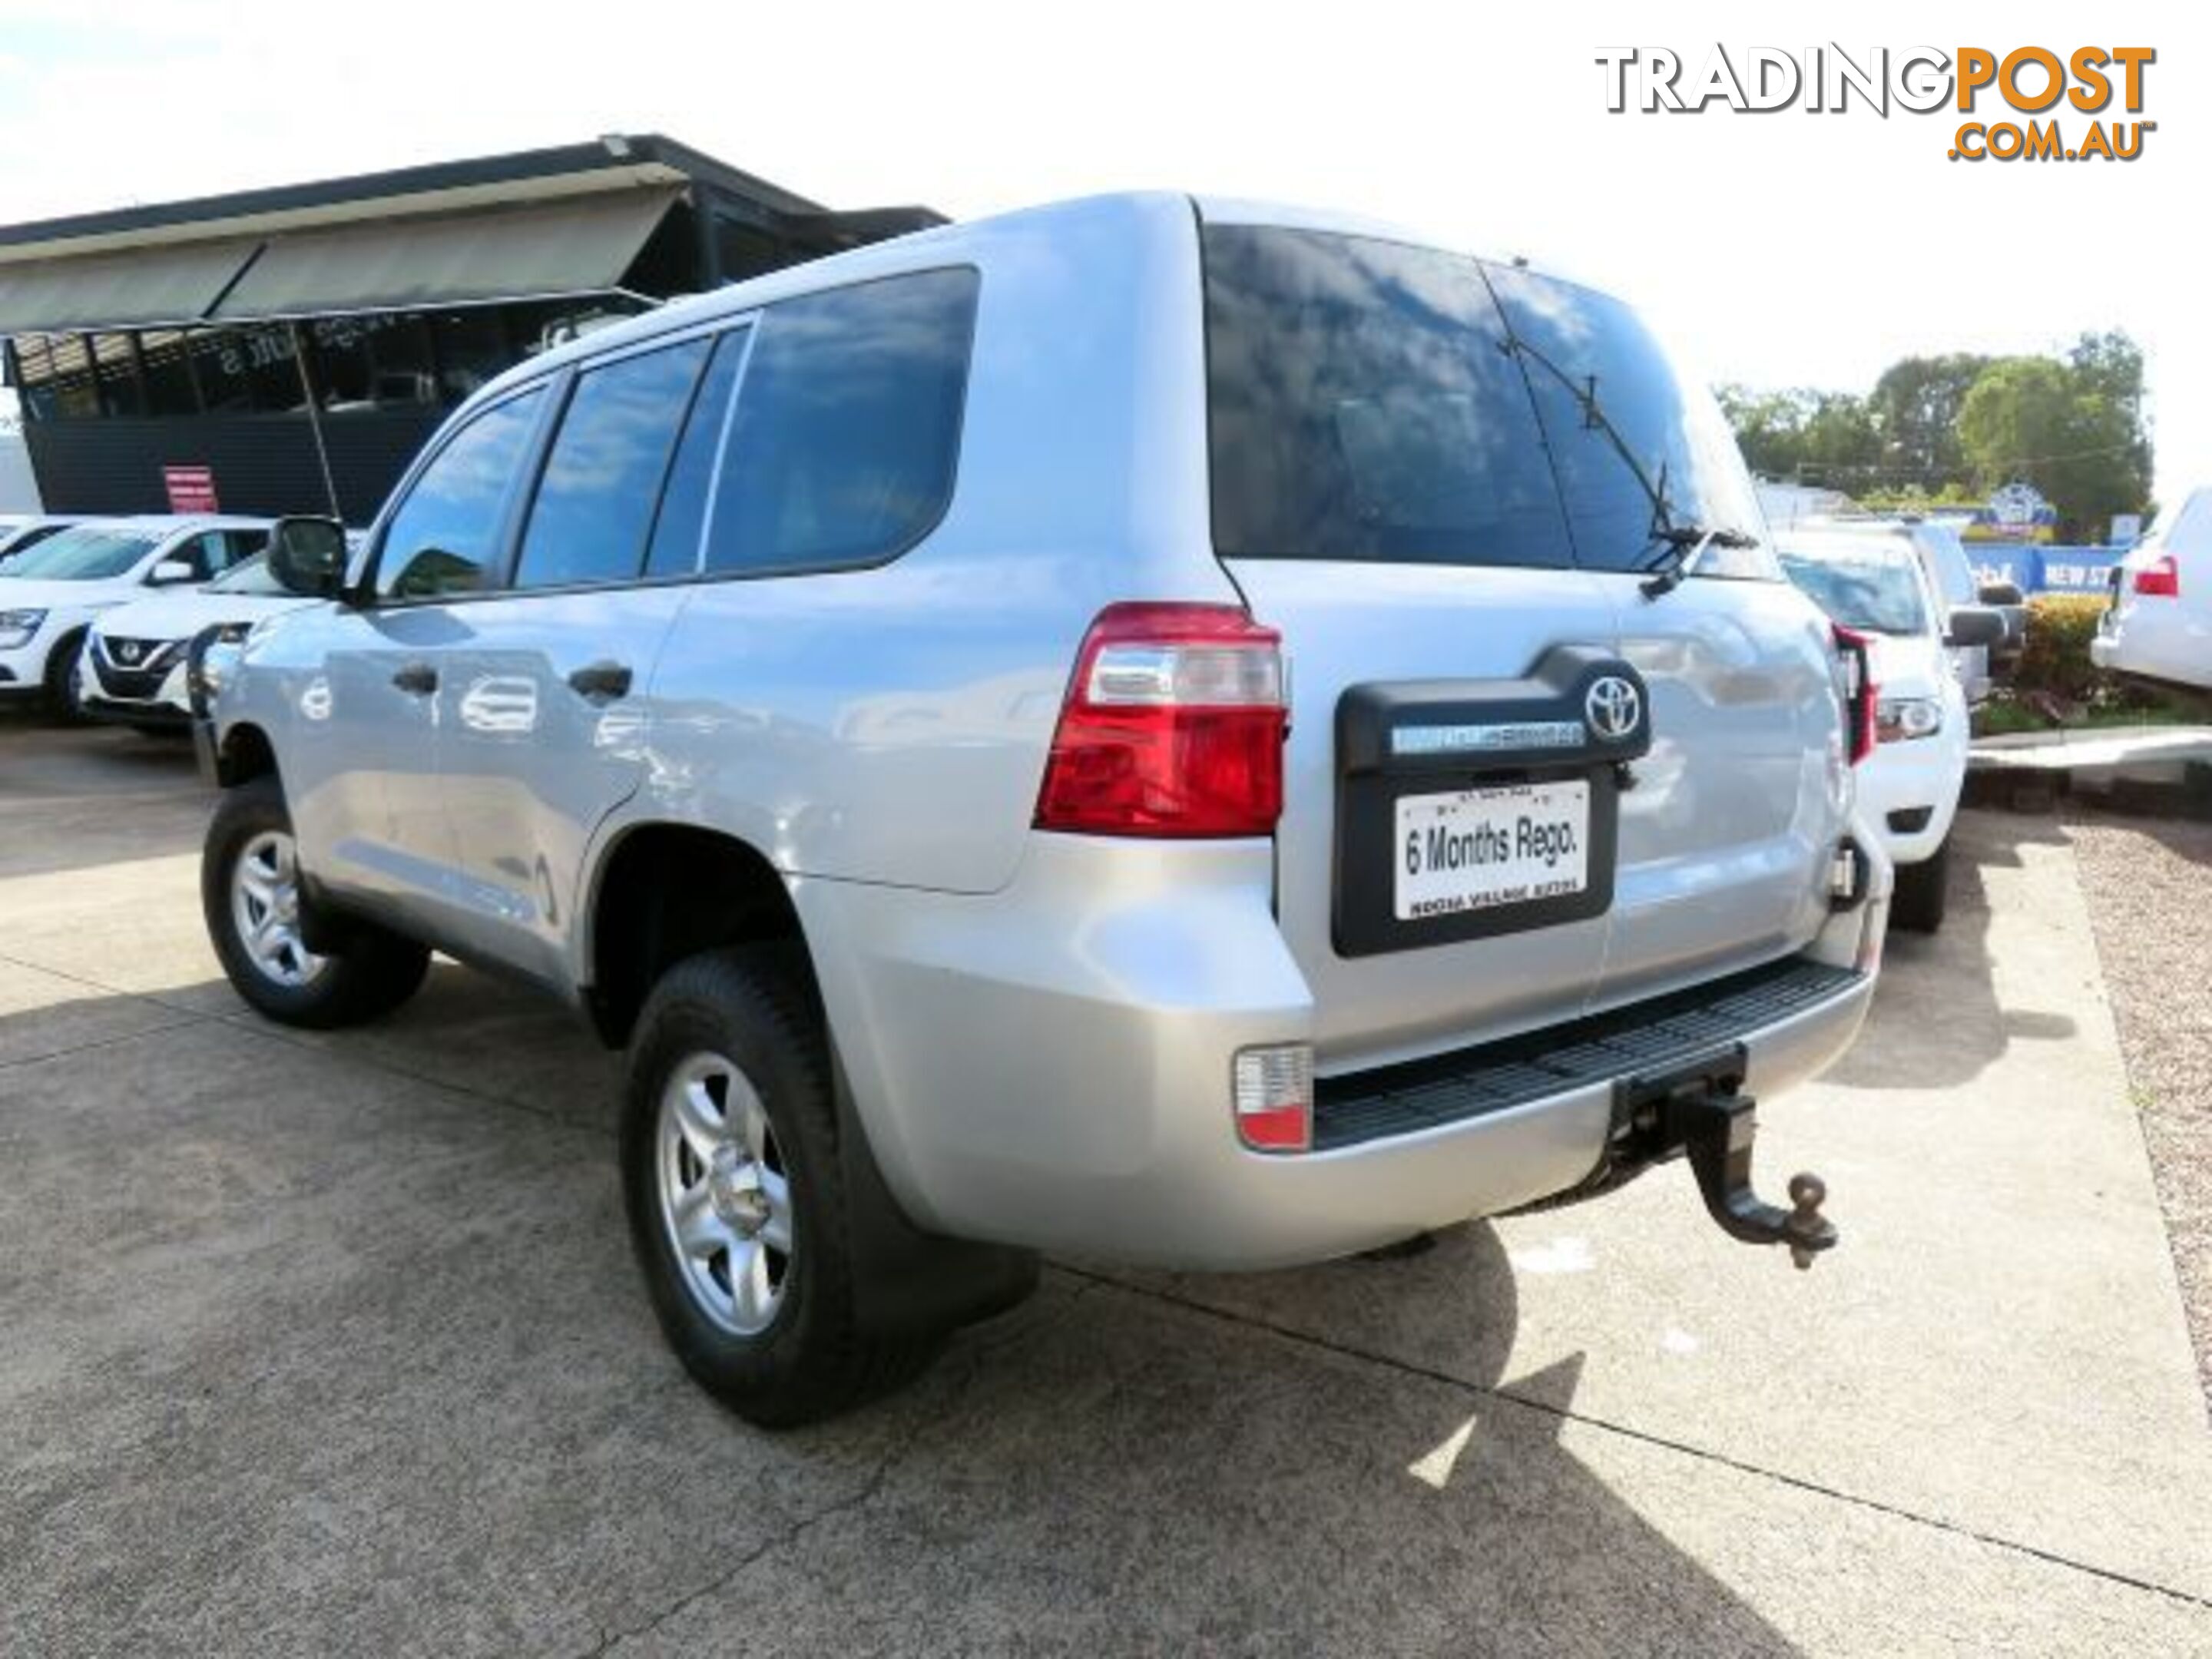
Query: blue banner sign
pixel 2046 569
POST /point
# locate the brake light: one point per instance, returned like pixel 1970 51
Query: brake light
pixel 1859 691
pixel 1172 726
pixel 2160 579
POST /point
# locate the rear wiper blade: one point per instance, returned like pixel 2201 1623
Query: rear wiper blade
pixel 1686 544
pixel 1584 392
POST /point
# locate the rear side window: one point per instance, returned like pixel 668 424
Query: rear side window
pixel 1363 406
pixel 596 497
pixel 447 529
pixel 847 430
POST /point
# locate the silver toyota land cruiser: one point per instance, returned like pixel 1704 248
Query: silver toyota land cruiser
pixel 1181 731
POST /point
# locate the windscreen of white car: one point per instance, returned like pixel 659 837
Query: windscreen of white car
pixel 1876 593
pixel 85 554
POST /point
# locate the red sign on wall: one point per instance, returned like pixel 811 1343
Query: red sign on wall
pixel 191 488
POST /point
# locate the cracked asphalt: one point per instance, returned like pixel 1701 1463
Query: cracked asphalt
pixel 332 1343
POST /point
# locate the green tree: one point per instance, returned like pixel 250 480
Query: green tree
pixel 2072 428
pixel 1915 408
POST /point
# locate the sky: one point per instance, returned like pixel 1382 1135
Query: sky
pixel 1778 249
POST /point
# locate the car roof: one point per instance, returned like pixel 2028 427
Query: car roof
pixel 941 244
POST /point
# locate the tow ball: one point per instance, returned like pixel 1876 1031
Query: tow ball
pixel 1703 1111
pixel 1717 1130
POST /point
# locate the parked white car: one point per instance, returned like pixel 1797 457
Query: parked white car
pixel 2160 625
pixel 1943 559
pixel 133 669
pixel 50 595
pixel 1872 584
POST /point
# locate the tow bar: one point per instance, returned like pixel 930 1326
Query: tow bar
pixel 1701 1109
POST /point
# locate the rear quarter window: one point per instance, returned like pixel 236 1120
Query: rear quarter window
pixel 846 435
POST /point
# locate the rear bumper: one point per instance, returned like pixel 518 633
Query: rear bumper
pixel 1050 1066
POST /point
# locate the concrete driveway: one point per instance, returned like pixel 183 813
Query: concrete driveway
pixel 333 1345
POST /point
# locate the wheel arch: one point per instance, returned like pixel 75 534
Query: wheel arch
pixel 662 891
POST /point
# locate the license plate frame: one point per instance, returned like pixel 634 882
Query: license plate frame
pixel 1495 844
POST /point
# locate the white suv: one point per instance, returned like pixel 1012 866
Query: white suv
pixel 2159 626
pixel 50 594
pixel 1173 731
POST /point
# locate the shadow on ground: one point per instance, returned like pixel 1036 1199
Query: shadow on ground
pixel 1942 1019
pixel 308 1352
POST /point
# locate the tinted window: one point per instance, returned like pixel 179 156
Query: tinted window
pixel 848 426
pixel 595 500
pixel 1363 406
pixel 684 502
pixel 445 533
pixel 1603 386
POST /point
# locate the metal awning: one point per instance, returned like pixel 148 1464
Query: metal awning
pixel 583 245
pixel 179 284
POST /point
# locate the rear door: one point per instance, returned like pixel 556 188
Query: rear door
pixel 545 695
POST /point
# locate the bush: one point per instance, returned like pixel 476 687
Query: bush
pixel 2056 657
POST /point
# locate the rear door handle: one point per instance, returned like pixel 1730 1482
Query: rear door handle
pixel 601 682
pixel 420 678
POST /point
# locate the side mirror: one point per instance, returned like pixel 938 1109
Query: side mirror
pixel 307 557
pixel 1974 624
pixel 2000 593
pixel 170 571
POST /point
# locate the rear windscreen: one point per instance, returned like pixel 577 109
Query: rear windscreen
pixel 1371 400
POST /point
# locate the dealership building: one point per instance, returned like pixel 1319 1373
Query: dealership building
pixel 288 350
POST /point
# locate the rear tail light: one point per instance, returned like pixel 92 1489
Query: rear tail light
pixel 1172 726
pixel 1275 1097
pixel 1860 693
pixel 2160 579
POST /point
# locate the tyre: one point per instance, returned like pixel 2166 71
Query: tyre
pixel 62 699
pixel 250 894
pixel 738 1203
pixel 1917 904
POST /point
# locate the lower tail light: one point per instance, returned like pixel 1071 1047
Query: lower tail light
pixel 1172 725
pixel 1273 1098
pixel 2160 579
pixel 1860 693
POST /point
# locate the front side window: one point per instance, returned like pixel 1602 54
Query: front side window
pixel 595 501
pixel 445 533
pixel 847 430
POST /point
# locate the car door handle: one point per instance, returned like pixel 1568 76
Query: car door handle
pixel 601 682
pixel 416 676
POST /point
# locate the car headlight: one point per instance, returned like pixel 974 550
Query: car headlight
pixel 17 627
pixel 1900 719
